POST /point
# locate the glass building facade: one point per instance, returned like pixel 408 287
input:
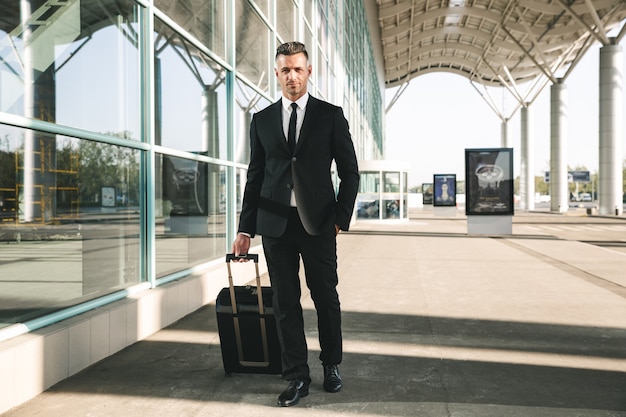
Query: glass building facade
pixel 124 133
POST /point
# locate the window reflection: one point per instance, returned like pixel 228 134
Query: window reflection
pixel 405 193
pixel 368 199
pixel 264 6
pixel 203 19
pixel 322 74
pixel 73 63
pixel 70 208
pixel 253 36
pixel 190 207
pixel 69 221
pixel 191 96
pixel 248 102
pixel 392 182
pixel 391 195
pixel 370 182
pixel 286 19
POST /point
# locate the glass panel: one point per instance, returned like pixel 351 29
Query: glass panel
pixel 392 209
pixel 191 96
pixel 332 92
pixel 248 102
pixel 322 28
pixel 368 206
pixel 285 19
pixel 264 6
pixel 69 222
pixel 321 74
pixel 190 213
pixel 370 182
pixel 308 10
pixel 72 63
pixel 391 195
pixel 405 191
pixel 253 55
pixel 405 182
pixel 332 18
pixel 310 46
pixel 392 182
pixel 203 19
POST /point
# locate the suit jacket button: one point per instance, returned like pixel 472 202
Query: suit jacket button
pixel 290 186
pixel 293 159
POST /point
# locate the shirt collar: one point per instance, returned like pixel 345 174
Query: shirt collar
pixel 301 102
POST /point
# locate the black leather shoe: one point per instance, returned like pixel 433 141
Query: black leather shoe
pixel 297 389
pixel 332 379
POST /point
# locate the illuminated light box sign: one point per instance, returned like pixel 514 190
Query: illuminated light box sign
pixel 444 190
pixel 427 193
pixel 489 181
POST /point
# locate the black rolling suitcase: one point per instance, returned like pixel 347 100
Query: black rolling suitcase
pixel 247 326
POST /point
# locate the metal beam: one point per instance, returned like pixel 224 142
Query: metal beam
pixel 601 37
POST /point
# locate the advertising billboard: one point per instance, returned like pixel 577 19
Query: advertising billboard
pixel 444 191
pixel 427 193
pixel 489 181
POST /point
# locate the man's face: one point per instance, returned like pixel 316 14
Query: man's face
pixel 293 73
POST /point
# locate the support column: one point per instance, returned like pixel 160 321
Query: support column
pixel 504 134
pixel 611 96
pixel 28 205
pixel 39 158
pixel 211 144
pixel 527 176
pixel 559 197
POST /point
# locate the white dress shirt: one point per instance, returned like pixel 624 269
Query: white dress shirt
pixel 287 109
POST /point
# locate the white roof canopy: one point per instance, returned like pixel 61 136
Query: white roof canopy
pixel 494 42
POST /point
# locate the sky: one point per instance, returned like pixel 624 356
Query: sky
pixel 440 115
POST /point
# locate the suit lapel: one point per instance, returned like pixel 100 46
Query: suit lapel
pixel 276 120
pixel 310 118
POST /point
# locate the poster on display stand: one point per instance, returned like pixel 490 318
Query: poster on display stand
pixel 444 190
pixel 108 196
pixel 489 181
pixel 427 193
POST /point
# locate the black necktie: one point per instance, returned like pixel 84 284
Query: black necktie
pixel 291 133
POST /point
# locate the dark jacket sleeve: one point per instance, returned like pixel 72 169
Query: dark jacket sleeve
pixel 347 170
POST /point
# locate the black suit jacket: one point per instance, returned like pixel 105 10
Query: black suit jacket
pixel 273 172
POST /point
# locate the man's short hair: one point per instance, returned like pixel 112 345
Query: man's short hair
pixel 292 48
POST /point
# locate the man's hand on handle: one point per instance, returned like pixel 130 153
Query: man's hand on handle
pixel 241 246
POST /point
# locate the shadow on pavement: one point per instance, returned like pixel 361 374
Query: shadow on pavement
pixel 389 358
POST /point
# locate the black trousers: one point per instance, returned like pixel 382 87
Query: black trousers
pixel 319 256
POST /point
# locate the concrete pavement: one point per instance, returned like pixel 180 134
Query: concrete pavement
pixel 436 323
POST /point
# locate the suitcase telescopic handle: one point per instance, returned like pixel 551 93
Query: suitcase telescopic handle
pixel 231 285
pixel 250 256
pixel 233 303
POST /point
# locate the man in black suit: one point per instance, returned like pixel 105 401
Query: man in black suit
pixel 290 200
